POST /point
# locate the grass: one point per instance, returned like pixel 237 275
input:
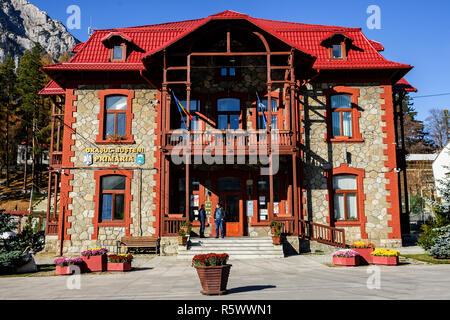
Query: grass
pixel 424 257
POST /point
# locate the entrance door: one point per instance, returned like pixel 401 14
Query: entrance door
pixel 232 204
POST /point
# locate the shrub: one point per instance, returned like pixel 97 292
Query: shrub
pixel 12 259
pixel 441 246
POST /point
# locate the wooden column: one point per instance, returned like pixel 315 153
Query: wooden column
pixel 188 154
pixel 295 190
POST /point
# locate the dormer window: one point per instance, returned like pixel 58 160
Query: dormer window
pixel 338 45
pixel 337 51
pixel 118 53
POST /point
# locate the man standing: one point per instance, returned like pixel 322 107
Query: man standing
pixel 202 213
pixel 219 216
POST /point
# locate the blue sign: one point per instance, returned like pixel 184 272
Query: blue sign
pixel 140 159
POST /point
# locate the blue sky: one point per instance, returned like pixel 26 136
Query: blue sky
pixel 414 32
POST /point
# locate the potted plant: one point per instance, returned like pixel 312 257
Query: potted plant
pixel 186 226
pixel 95 259
pixel 364 249
pixel 182 237
pixel 213 271
pixel 119 262
pixel 63 265
pixel 347 258
pixel 276 228
pixel 385 257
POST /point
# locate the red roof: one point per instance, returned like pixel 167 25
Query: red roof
pixel 403 85
pixel 93 55
pixel 51 89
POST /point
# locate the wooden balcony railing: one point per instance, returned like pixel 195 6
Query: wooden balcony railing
pixel 322 233
pixel 238 139
pixel 172 226
pixel 52 228
pixel 288 225
pixel 56 159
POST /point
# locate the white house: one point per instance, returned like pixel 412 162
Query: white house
pixel 441 167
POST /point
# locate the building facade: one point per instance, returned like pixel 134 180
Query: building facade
pixel 283 121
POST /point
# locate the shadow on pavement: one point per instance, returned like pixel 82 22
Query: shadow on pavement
pixel 250 288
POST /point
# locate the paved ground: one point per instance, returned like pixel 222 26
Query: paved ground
pixel 294 278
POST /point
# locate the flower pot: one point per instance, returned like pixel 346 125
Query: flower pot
pixel 96 263
pixel 387 261
pixel 276 240
pixel 214 280
pixel 182 240
pixel 124 266
pixel 366 257
pixel 349 262
pixel 65 270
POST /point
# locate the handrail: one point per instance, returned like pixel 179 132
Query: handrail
pixel 322 233
pixel 172 226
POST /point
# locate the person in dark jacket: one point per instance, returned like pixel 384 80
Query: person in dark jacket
pixel 219 217
pixel 202 213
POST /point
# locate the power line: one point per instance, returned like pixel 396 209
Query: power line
pixel 432 95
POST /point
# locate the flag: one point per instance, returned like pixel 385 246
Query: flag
pixel 262 107
pixel 181 108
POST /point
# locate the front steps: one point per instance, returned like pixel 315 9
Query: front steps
pixel 236 248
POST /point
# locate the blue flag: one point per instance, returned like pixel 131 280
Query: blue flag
pixel 262 107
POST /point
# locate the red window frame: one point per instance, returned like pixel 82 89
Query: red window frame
pixel 355 115
pixel 346 193
pixel 113 193
pixel 127 221
pixel 102 95
pixel 344 169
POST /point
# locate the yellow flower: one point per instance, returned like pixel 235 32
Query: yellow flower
pixel 385 253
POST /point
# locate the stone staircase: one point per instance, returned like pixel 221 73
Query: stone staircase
pixel 236 248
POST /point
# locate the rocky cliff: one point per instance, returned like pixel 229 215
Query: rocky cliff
pixel 22 24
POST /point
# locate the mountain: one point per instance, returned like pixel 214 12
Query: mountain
pixel 22 24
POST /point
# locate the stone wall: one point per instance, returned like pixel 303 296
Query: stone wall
pixel 368 155
pixel 86 125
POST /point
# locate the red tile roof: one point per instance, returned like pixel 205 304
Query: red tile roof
pixel 403 85
pixel 51 89
pixel 93 55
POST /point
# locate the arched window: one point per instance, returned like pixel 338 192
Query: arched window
pixel 112 198
pixel 345 197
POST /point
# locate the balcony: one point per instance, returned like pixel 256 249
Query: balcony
pixel 235 142
pixel 56 160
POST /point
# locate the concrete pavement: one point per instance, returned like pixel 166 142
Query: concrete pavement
pixel 294 278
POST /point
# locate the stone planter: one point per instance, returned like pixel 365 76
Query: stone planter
pixel 214 280
pixel 276 240
pixel 65 270
pixel 96 263
pixel 121 267
pixel 348 262
pixel 366 257
pixel 387 261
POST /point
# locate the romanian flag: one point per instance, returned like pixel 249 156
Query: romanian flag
pixel 181 108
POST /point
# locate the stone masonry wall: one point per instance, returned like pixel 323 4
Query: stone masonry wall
pixel 86 125
pixel 321 156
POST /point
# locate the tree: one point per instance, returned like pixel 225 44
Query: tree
pixel 416 138
pixel 438 126
pixel 31 80
pixel 8 96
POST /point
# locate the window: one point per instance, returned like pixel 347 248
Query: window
pixel 229 113
pixel 228 184
pixel 228 72
pixel 345 198
pixel 116 108
pixel 261 122
pixel 117 53
pixel 194 106
pixel 112 198
pixel 341 106
pixel 337 51
pixel 115 117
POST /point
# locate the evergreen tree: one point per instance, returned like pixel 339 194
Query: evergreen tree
pixel 35 117
pixel 8 98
